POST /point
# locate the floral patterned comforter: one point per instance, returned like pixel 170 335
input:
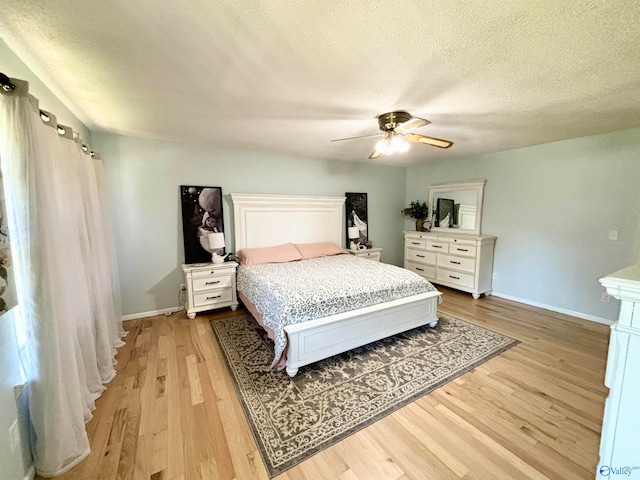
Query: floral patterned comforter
pixel 294 292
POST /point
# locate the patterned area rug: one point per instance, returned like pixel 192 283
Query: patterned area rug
pixel 294 418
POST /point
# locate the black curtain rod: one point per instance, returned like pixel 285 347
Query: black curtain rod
pixel 6 84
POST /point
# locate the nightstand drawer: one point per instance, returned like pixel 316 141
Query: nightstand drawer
pixel 370 256
pixel 212 297
pixel 212 281
pixel 217 270
pixel 421 256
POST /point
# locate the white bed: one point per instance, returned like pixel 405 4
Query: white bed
pixel 268 220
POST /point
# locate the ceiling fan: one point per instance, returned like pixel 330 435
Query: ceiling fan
pixel 395 128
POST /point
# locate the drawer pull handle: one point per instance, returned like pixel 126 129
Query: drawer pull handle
pixel 420 256
pixel 211 298
pixel 415 243
pixel 455 278
pixel 462 249
pixel 420 269
pixel 455 263
pixel 436 246
pixel 212 283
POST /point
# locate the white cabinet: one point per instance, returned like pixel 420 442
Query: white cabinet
pixel 374 254
pixel 210 286
pixel 463 262
pixel 619 446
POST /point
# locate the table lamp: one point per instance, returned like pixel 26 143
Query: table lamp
pixel 216 242
pixel 354 234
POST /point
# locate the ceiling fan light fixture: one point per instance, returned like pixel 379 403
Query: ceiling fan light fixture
pixel 399 144
pixel 392 143
pixel 384 146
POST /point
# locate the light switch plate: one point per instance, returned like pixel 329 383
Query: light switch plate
pixel 613 234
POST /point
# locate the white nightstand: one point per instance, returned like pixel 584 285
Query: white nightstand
pixel 374 253
pixel 210 286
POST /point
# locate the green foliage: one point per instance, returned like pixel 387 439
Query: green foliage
pixel 417 210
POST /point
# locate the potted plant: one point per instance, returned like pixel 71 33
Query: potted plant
pixel 418 211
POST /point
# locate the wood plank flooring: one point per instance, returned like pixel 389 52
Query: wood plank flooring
pixel 533 412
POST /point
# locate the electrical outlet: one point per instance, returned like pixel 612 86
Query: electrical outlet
pixel 14 435
pixel 494 276
pixel 613 235
pixel 183 287
pixel 605 297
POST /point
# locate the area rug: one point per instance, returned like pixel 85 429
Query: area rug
pixel 294 418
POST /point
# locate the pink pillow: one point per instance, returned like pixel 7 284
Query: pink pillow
pixel 322 249
pixel 278 254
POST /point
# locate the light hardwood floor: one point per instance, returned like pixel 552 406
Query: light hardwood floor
pixel 534 411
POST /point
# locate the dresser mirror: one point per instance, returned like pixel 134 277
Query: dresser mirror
pixel 456 207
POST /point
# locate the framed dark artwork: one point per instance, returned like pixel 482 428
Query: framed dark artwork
pixel 201 215
pixel 356 210
pixel 445 213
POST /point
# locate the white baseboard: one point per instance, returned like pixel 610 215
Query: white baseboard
pixel 584 316
pixel 31 473
pixel 164 311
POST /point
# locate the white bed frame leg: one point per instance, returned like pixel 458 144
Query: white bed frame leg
pixel 292 371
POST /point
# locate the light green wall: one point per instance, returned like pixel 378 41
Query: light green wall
pixel 144 178
pixel 551 207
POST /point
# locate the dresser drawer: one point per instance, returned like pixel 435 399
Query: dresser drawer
pixel 211 281
pixel 416 243
pixel 421 256
pixel 442 247
pixel 212 297
pixel 456 278
pixel 463 250
pixel 424 270
pixel 458 263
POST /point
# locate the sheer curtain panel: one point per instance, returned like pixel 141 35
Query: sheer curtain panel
pixel 66 275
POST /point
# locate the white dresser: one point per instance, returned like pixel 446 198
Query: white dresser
pixel 619 445
pixel 463 261
pixel 210 286
pixel 374 253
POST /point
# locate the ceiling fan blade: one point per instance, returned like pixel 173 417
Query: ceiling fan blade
pixel 375 154
pixel 436 142
pixel 362 136
pixel 413 122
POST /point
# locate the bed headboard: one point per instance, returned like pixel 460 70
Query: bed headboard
pixel 268 220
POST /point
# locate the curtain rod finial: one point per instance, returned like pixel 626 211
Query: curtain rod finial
pixel 6 84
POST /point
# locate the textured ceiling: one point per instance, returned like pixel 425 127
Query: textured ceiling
pixel 286 76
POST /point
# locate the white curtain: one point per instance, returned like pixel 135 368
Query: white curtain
pixel 66 275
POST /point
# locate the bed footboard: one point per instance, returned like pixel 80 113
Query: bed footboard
pixel 318 339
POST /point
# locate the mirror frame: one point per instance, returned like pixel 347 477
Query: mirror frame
pixel 477 185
